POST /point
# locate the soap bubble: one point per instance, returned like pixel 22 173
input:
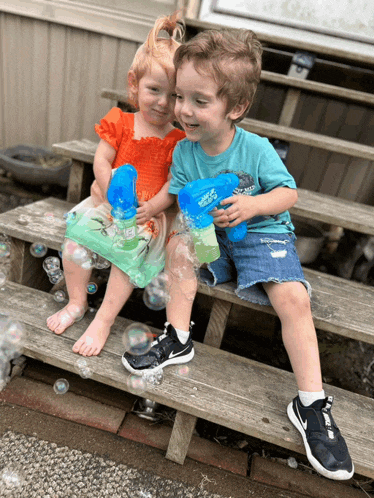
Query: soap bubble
pixel 99 262
pixel 155 299
pixel 56 277
pixel 91 288
pixel 61 386
pixel 137 384
pixel 80 255
pixel 156 294
pixel 182 371
pixel 11 478
pixel 51 263
pixel 2 278
pixel 70 218
pixel 88 264
pixel 38 250
pixel 68 248
pixel 4 249
pixel 82 368
pixel 59 296
pixel 137 339
pixel 154 378
pixel 12 338
pixel 49 218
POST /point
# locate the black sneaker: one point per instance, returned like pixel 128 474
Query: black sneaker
pixel 325 447
pixel 166 350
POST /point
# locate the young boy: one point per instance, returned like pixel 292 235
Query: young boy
pixel 217 75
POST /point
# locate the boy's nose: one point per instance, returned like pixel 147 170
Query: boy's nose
pixel 185 109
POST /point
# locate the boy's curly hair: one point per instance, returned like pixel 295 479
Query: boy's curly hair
pixel 157 49
pixel 232 57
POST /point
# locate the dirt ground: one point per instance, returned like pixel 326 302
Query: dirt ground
pixel 346 363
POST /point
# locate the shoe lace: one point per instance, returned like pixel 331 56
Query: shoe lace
pixel 326 413
pixel 162 336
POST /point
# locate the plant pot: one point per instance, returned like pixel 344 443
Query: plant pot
pixel 35 165
pixel 309 241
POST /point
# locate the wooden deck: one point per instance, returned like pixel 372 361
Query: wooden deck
pixel 226 389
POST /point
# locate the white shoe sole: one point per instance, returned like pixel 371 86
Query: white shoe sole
pixel 339 475
pixel 173 361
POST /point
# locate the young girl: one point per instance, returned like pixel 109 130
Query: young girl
pixel 146 140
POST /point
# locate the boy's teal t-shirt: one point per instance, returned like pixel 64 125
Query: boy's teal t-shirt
pixel 252 158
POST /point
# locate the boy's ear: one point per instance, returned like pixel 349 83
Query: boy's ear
pixel 238 110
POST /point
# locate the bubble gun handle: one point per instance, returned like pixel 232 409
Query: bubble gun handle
pixel 196 200
pixel 122 197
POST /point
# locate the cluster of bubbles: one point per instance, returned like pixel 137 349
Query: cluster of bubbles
pixel 52 267
pixel 82 368
pixel 138 384
pixel 83 256
pixel 137 339
pixel 156 293
pixel 12 338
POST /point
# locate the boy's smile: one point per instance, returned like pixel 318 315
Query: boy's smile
pixel 201 113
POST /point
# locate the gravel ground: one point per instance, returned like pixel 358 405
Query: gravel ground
pixel 33 468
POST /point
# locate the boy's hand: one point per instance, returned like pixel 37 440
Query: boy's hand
pixel 220 217
pixel 144 212
pixel 243 208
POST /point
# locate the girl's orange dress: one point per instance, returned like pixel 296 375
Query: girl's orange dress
pixel 93 227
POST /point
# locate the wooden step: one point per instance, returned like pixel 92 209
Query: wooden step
pixel 312 205
pixel 340 306
pixel 226 389
pixel 295 135
pixel 338 92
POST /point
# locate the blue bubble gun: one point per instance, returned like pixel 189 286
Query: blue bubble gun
pixel 121 195
pixel 196 200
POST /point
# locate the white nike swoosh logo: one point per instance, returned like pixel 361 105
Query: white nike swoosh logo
pixel 304 424
pixel 177 354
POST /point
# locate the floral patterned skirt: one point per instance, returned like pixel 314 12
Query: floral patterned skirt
pixel 93 227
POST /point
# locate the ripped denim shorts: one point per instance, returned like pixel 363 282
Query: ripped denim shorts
pixel 260 257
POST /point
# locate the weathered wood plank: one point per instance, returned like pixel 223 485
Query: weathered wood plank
pixel 180 438
pixel 317 87
pixel 226 389
pixel 81 150
pixel 328 209
pixel 271 130
pixel 217 323
pixel 24 268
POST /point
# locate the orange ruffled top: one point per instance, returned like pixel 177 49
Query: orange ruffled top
pixel 150 156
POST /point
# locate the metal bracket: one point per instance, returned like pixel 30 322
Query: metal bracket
pixel 301 64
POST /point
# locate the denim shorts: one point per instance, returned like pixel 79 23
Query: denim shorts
pixel 258 258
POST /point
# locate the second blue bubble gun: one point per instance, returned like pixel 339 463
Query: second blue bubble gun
pixel 196 200
pixel 122 197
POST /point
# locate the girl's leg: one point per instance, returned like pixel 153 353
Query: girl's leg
pixel 292 304
pixel 117 293
pixel 182 283
pixel 76 282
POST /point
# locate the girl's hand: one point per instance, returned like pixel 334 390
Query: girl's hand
pixel 96 194
pixel 144 212
pixel 243 208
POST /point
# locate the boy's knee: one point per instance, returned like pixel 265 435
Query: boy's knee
pixel 291 299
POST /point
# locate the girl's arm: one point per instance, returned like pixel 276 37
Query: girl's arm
pixel 102 168
pixel 245 207
pixel 161 201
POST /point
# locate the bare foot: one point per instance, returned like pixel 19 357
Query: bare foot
pixel 64 318
pixel 93 340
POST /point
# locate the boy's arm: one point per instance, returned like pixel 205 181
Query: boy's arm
pixel 245 207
